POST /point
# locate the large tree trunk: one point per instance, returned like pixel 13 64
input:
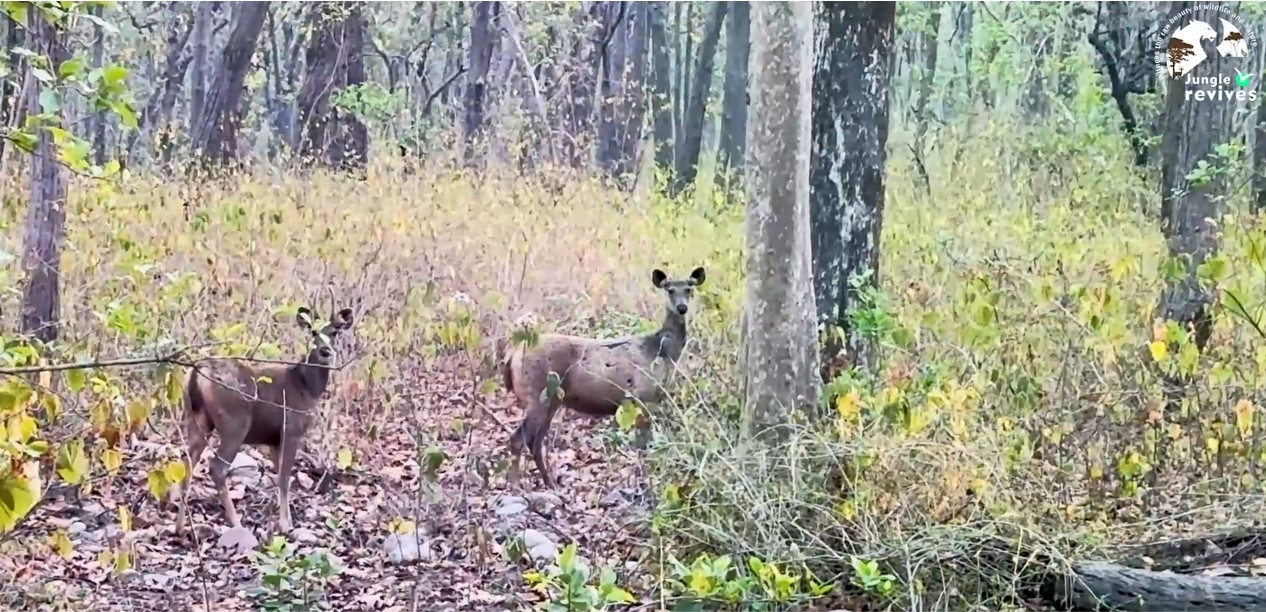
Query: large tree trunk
pixel 215 139
pixel 481 41
pixel 850 130
pixel 931 43
pixel 696 110
pixel 45 227
pixel 734 103
pixel 580 82
pixel 335 60
pixel 662 95
pixel 1192 130
pixel 779 338
pixel 156 116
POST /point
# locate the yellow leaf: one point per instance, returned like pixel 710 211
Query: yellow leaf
pixel 1244 417
pixel 137 414
pixel 849 405
pixel 1160 350
pixel 175 388
pixel 21 428
pixel 174 472
pixel 72 463
pixel 52 406
pixel 125 518
pixel 401 526
pixel 112 459
pixel 344 458
pixel 17 496
pixel 122 561
pixel 61 544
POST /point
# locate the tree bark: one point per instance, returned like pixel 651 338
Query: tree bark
pixel 1116 587
pixel 99 118
pixel 9 102
pixel 1191 208
pixel 733 141
pixel 1259 156
pixel 633 130
pixel 931 43
pixel 202 22
pixel 612 60
pixel 662 95
pixel 335 61
pixel 45 227
pixel 696 110
pixel 215 139
pixel 850 130
pixel 481 41
pixel 779 338
pixel 580 83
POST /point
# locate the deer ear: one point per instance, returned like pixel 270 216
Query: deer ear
pixel 658 277
pixel 304 317
pixel 344 319
pixel 698 276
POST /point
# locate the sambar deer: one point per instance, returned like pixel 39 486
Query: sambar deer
pixel 270 405
pixel 596 375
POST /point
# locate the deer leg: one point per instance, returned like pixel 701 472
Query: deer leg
pixel 220 466
pixel 196 439
pixel 285 465
pixel 537 443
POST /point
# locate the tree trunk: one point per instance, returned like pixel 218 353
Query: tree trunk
pixel 850 130
pixel 633 129
pixel 9 102
pixel 931 42
pixel 612 60
pixel 1192 131
pixel 215 139
pixel 481 41
pixel 692 137
pixel 733 142
pixel 1259 156
pixel 202 22
pixel 779 338
pixel 98 117
pixel 45 227
pixel 580 82
pixel 662 95
pixel 335 61
pixel 158 111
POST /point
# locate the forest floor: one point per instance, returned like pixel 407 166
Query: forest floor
pixel 462 564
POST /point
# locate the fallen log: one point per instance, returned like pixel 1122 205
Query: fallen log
pixel 1100 586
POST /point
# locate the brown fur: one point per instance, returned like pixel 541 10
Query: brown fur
pixel 269 405
pixel 597 375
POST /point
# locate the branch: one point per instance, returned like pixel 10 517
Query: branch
pixel 167 358
pixel 426 108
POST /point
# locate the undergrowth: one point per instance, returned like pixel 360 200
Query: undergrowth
pixel 1018 418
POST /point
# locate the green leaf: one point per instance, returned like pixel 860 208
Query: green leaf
pixel 17 498
pixel 114 74
pixel 626 415
pixel 76 380
pixel 43 75
pixel 50 101
pixel 72 68
pixel 126 115
pixel 72 462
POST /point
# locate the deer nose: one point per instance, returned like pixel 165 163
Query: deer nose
pixel 681 309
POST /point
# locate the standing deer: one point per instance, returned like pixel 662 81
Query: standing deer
pixel 270 405
pixel 596 376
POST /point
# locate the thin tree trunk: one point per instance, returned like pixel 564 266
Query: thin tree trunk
pixel 99 117
pixel 850 131
pixel 202 22
pixel 692 140
pixel 662 95
pixel 733 142
pixel 9 100
pixel 45 228
pixel 634 126
pixel 931 43
pixel 780 356
pixel 476 79
pixel 612 58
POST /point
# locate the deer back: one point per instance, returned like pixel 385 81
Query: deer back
pixel 597 375
pixel 263 403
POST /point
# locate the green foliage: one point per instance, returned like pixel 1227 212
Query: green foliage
pixel 761 585
pixel 104 88
pixel 289 581
pixel 369 101
pixel 567 585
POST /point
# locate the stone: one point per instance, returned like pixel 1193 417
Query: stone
pixel 539 546
pixel 238 540
pixel 511 505
pixel 304 535
pixel 405 548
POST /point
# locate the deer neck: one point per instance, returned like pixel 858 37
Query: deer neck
pixel 313 378
pixel 670 340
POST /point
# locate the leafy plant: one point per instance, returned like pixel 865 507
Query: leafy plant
pixel 289 581
pixel 566 585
